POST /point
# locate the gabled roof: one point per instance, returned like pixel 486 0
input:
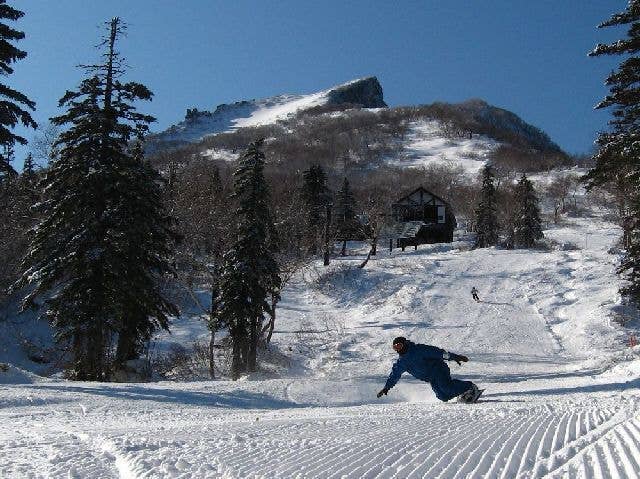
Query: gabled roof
pixel 424 190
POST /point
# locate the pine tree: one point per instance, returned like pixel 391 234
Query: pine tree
pixel 346 223
pixel 486 212
pixel 250 273
pixel 29 175
pixel 142 251
pixel 11 113
pixel 104 239
pixel 18 193
pixel 7 172
pixel 316 195
pixel 618 156
pixel 527 227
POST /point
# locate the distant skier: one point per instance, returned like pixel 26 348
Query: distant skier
pixel 474 293
pixel 427 364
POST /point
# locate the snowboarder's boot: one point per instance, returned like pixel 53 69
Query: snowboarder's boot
pixel 470 396
pixel 477 395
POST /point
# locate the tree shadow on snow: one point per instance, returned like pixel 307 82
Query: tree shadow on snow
pixel 499 400
pixel 521 377
pixel 500 358
pixel 608 387
pixel 405 324
pixel 229 399
pixel 496 304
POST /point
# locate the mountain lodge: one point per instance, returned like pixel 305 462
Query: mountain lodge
pixel 422 218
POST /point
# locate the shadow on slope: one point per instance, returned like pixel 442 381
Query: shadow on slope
pixel 237 399
pixel 592 388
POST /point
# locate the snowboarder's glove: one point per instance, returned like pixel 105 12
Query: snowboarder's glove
pixel 458 358
pixel 382 392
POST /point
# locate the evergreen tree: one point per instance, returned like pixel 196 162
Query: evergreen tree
pixel 316 195
pixel 486 212
pixel 18 193
pixel 250 273
pixel 11 111
pixel 527 227
pixel 28 175
pixel 346 223
pixel 7 172
pixel 142 250
pixel 104 238
pixel 618 156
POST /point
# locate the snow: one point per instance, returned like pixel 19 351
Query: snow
pixel 427 145
pixel 561 399
pixel 20 336
pixel 268 112
pixel 228 118
pixel 221 154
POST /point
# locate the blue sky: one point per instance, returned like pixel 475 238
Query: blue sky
pixel 529 57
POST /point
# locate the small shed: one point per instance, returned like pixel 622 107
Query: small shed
pixel 422 217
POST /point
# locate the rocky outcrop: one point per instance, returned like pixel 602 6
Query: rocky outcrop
pixel 366 92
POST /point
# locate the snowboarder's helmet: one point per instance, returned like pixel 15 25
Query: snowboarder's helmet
pixel 398 343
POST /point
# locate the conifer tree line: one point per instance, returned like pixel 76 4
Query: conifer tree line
pixel 17 192
pixel 487 211
pixel 522 226
pixel 617 161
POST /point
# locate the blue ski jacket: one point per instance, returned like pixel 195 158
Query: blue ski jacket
pixel 421 361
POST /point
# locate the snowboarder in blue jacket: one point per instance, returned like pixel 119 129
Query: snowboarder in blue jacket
pixel 427 363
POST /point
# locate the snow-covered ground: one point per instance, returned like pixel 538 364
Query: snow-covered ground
pixel 561 399
pixel 428 145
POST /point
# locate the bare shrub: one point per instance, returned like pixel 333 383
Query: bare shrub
pixel 183 363
pixel 318 333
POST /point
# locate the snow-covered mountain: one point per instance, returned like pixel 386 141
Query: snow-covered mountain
pixel 465 133
pixel 365 92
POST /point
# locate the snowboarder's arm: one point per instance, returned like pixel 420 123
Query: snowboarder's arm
pixel 394 377
pixel 458 358
pixel 431 352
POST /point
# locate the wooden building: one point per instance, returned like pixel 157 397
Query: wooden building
pixel 422 217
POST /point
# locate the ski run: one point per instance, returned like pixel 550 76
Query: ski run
pixel 561 399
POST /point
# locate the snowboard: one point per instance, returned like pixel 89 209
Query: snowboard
pixel 475 399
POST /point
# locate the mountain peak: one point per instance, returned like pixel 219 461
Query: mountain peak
pixel 364 92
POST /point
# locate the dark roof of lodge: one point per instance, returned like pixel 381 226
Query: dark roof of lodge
pixel 415 190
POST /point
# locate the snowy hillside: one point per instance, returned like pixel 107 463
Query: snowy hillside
pixel 352 120
pixel 561 400
pixel 427 145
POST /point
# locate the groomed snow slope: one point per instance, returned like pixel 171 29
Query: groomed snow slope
pixel 561 400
